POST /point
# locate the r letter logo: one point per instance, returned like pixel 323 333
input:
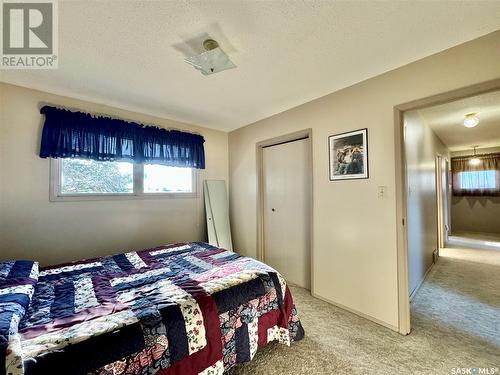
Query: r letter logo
pixel 29 34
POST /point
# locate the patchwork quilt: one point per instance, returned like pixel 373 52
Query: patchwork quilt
pixel 179 309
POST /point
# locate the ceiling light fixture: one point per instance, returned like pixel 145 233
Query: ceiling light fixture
pixel 471 120
pixel 213 60
pixel 475 160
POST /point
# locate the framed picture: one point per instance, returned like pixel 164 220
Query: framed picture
pixel 348 154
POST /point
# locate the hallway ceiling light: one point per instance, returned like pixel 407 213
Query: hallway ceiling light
pixel 213 60
pixel 471 120
pixel 475 160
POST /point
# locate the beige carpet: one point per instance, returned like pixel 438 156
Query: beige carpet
pixel 455 321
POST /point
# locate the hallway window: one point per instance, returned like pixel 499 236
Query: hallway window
pixel 477 175
pixel 472 180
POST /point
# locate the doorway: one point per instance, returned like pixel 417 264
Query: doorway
pixel 285 206
pixel 405 191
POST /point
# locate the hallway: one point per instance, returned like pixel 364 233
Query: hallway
pixel 455 320
pixel 459 305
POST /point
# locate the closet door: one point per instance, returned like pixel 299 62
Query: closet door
pixel 287 200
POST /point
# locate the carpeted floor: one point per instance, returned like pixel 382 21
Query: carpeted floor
pixel 455 323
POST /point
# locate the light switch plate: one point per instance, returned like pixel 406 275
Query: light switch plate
pixel 382 191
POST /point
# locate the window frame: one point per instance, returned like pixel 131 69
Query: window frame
pixel 55 194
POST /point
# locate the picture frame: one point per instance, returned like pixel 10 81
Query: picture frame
pixel 348 155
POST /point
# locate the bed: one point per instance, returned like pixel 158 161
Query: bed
pixel 185 309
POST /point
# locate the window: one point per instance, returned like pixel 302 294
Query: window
pixel 473 180
pixel 476 175
pixel 79 179
pixel 80 176
pixel 163 179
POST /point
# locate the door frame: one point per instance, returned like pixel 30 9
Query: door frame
pixel 259 147
pixel 439 159
pixel 447 212
pixel 401 185
pixel 442 166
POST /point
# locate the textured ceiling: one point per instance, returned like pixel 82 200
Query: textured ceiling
pixel 129 54
pixel 447 122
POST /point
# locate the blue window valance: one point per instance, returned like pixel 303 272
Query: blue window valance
pixel 68 134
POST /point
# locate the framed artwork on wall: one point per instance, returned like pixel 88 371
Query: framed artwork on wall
pixel 348 154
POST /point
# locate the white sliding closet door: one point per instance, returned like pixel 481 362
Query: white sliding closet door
pixel 287 200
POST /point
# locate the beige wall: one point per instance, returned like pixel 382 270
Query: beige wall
pixel 354 237
pixel 475 214
pixel 421 147
pixel 33 227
